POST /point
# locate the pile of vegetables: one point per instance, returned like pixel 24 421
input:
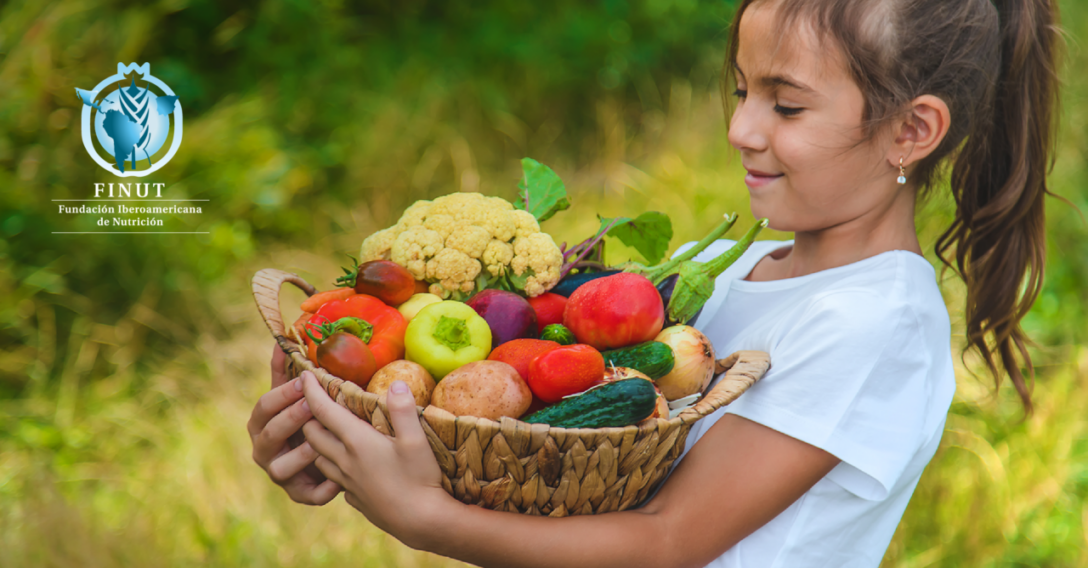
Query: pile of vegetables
pixel 482 314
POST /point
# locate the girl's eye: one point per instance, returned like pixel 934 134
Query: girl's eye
pixel 787 111
pixel 784 111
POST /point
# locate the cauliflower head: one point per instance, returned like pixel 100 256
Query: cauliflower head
pixel 469 239
pixel 414 247
pixel 464 241
pixel 497 257
pixel 524 223
pixel 441 223
pixel 415 214
pixel 378 246
pixel 453 270
pixel 537 255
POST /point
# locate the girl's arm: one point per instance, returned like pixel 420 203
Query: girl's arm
pixel 737 478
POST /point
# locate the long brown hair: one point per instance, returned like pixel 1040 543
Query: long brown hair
pixel 994 63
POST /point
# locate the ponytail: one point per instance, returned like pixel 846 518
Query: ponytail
pixel 999 184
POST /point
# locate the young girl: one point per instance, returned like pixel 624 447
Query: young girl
pixel 845 110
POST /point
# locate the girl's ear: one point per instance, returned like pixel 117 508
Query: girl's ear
pixel 921 131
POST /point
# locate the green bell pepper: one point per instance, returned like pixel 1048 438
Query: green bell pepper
pixel 446 335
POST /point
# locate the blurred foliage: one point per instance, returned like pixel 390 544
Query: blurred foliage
pixel 128 364
pixel 297 113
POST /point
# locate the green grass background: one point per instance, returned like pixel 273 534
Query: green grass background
pixel 129 363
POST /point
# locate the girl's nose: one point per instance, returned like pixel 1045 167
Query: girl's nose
pixel 745 130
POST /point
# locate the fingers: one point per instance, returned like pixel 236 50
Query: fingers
pixel 272 440
pixel 301 490
pixel 330 470
pixel 288 465
pixel 402 413
pixel 325 492
pixel 279 366
pixel 324 441
pixel 358 504
pixel 272 403
pixel 354 501
pixel 337 419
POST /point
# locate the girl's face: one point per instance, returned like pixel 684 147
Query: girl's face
pixel 797 124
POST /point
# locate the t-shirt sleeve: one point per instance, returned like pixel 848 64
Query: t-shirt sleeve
pixel 850 377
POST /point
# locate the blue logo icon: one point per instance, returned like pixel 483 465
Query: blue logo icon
pixel 131 121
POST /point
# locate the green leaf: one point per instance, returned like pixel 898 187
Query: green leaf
pixel 648 233
pixel 542 192
pixel 506 280
pixel 517 283
pixel 483 280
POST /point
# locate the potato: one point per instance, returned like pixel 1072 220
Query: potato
pixel 419 380
pixel 486 389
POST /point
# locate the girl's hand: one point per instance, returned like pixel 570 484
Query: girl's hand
pixel 394 481
pixel 280 413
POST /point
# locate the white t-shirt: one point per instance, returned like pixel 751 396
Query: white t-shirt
pixel 861 366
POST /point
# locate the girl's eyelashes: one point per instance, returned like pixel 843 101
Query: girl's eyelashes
pixel 787 111
pixel 782 110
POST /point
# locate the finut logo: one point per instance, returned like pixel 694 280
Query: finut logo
pixel 131 121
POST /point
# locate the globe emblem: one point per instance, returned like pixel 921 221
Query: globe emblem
pixel 131 121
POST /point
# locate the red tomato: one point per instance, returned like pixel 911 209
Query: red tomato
pixel 385 280
pixel 347 357
pixel 615 311
pixel 549 309
pixel 566 370
pixel 387 344
pixel 519 353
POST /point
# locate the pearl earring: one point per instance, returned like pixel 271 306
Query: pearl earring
pixel 902 179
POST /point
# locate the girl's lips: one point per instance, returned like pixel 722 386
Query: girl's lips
pixel 759 179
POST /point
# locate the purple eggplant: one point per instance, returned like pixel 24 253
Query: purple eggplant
pixel 666 288
pixel 572 282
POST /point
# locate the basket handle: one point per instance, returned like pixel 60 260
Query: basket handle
pixel 742 369
pixel 266 291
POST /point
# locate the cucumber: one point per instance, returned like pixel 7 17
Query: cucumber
pixel 653 358
pixel 568 285
pixel 559 334
pixel 619 403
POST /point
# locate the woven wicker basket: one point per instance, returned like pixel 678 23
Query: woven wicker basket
pixel 534 469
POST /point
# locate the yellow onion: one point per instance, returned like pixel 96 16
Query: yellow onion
pixel 661 409
pixel 694 362
pixel 614 373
